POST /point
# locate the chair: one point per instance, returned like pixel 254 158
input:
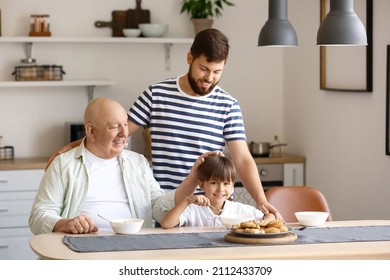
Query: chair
pixel 291 199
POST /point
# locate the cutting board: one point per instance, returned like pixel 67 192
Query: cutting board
pixel 282 239
pixel 118 22
pixel 137 16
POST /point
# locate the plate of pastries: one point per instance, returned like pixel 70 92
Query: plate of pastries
pixel 255 228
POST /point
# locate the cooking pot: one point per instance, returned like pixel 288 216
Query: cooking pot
pixel 262 149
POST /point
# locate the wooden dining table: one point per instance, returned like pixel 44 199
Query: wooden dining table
pixel 51 246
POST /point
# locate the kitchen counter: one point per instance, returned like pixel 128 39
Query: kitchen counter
pixel 40 162
pixel 285 158
pixel 23 163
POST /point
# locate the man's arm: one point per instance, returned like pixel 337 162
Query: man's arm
pixel 249 175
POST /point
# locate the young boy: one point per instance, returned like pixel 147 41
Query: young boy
pixel 216 178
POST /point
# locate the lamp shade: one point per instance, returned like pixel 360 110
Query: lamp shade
pixel 277 31
pixel 341 26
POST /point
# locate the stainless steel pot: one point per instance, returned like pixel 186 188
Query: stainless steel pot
pixel 262 149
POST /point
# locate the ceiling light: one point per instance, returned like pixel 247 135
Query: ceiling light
pixel 341 26
pixel 277 31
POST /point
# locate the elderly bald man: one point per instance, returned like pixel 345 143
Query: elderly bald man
pixel 101 177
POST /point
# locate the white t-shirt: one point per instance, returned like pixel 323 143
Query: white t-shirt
pixel 105 187
pixel 195 215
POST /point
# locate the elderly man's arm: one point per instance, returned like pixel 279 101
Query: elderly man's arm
pixel 249 175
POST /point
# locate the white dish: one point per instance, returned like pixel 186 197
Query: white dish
pixel 153 29
pixel 311 218
pixel 126 226
pixel 131 32
pixel 234 219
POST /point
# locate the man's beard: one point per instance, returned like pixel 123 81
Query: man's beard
pixel 198 90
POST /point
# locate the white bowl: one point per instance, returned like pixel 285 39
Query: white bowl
pixel 126 226
pixel 234 219
pixel 311 218
pixel 153 29
pixel 131 32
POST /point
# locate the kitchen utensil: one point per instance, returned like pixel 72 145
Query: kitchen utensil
pixel 104 218
pixel 132 32
pixel 286 238
pixel 262 149
pixel 153 29
pixel 126 226
pixel 312 218
pixel 118 23
pixel 137 16
pixel 193 200
pixel 230 220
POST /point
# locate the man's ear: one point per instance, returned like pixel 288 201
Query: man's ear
pixel 189 58
pixel 90 131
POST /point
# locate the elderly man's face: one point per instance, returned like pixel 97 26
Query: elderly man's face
pixel 111 134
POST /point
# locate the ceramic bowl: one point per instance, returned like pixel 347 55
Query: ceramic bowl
pixel 126 226
pixel 311 218
pixel 230 220
pixel 132 32
pixel 153 29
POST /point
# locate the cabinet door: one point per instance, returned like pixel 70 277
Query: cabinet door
pixel 14 244
pixel 293 174
pixel 20 180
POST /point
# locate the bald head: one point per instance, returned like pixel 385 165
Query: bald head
pixel 106 128
pixel 101 109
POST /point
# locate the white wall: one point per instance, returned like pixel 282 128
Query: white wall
pixel 251 75
pixel 342 135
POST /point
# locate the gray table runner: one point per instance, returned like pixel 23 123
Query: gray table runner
pixel 105 243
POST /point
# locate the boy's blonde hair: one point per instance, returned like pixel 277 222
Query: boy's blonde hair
pixel 217 168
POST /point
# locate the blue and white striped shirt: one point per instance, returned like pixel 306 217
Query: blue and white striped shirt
pixel 183 127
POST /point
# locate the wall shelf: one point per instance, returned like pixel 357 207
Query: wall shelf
pixel 168 42
pixel 90 84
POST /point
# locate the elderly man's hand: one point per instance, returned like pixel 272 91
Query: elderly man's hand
pixel 80 224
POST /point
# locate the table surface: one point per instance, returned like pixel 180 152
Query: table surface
pixel 51 246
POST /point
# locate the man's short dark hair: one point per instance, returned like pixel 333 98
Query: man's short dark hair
pixel 211 43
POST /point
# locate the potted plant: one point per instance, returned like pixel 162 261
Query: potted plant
pixel 202 12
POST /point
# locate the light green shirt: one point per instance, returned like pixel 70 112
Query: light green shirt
pixel 65 183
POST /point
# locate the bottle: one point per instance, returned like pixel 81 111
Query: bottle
pixel 276 151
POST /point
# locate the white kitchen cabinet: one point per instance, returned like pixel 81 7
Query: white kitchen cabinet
pixel 17 192
pixel 293 174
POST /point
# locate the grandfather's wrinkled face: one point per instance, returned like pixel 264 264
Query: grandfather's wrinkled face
pixel 111 135
pixel 203 76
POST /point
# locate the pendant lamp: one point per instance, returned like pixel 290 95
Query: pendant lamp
pixel 341 26
pixel 277 31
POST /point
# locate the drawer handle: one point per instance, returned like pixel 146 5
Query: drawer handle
pixel 3 210
pixel 4 246
pixel 3 180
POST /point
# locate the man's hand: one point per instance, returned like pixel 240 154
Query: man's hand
pixel 267 208
pixel 80 224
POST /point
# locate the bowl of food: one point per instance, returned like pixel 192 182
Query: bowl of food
pixel 235 219
pixel 131 32
pixel 311 218
pixel 126 226
pixel 153 29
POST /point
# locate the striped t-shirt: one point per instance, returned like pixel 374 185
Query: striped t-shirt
pixel 183 127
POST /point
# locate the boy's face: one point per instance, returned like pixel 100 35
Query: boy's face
pixel 217 191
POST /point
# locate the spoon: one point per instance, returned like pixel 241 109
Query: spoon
pixel 104 218
pixel 194 200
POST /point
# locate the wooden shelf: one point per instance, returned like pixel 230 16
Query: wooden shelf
pixel 90 84
pixel 161 40
pixel 168 42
